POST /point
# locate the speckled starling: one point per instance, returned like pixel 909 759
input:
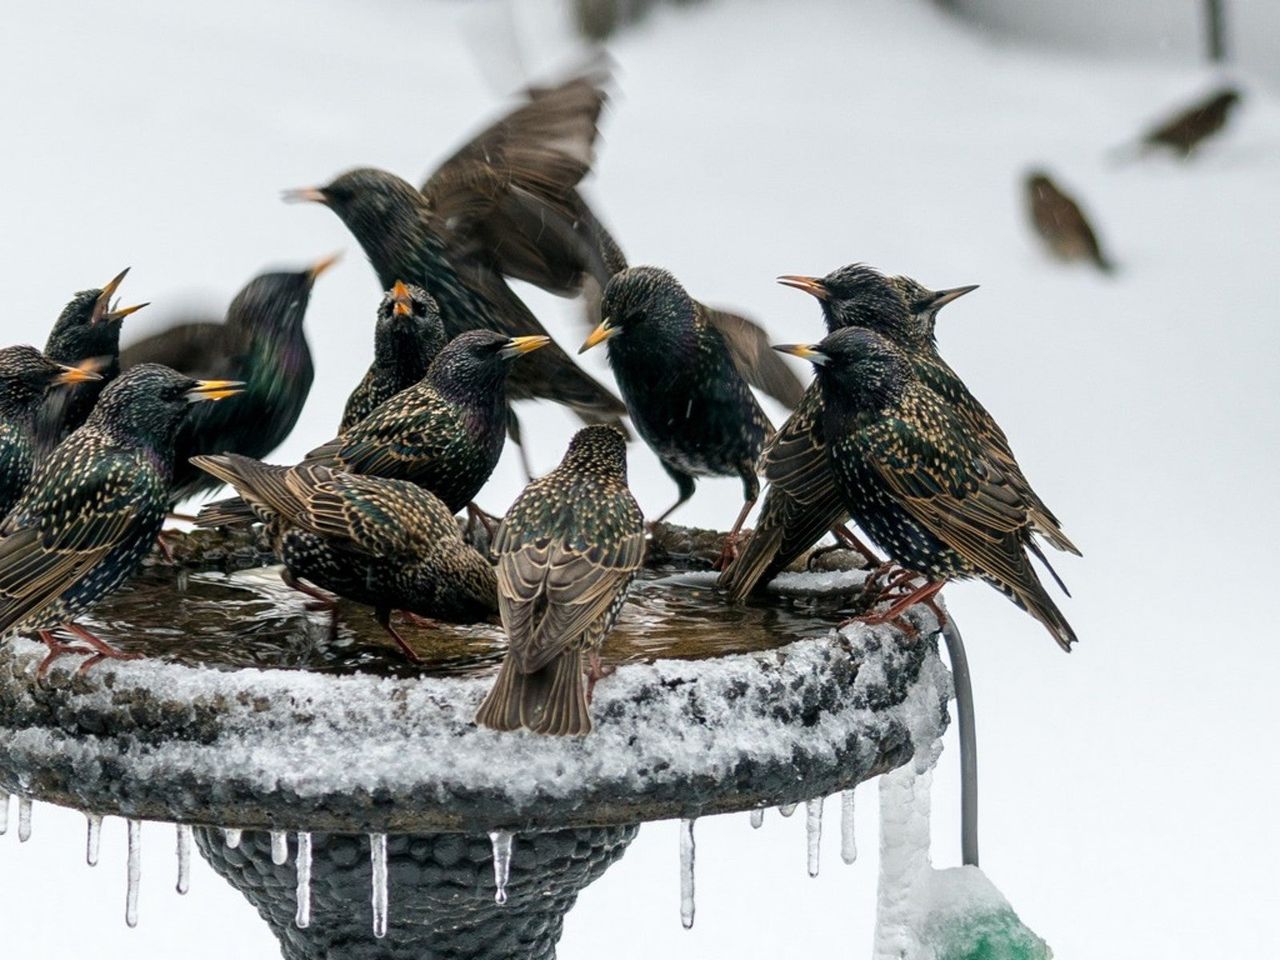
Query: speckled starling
pixel 88 329
pixel 1184 132
pixel 456 238
pixel 917 480
pixel 1058 220
pixel 26 375
pixel 95 505
pixel 407 338
pixel 388 544
pixel 262 343
pixel 683 391
pixel 567 552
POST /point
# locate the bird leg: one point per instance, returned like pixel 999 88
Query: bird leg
pixel 729 552
pixel 596 673
pixel 383 616
pixel 320 600
pixel 418 620
pixel 162 545
pixel 486 520
pixel 845 540
pixel 98 648
pixel 56 649
pixel 922 594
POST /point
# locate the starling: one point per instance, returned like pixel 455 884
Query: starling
pixel 918 480
pixel 1060 222
pixel 452 236
pixel 445 433
pixel 1185 132
pixel 683 391
pixel 26 375
pixel 263 344
pixel 95 506
pixel 87 329
pixel 388 544
pixel 407 338
pixel 567 552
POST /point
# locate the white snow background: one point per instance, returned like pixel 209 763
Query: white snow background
pixel 1129 789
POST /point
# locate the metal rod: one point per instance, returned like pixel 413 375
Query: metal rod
pixel 968 743
pixel 1216 30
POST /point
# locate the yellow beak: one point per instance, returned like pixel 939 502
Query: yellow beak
pixel 519 345
pixel 122 312
pixel 403 302
pixel 305 195
pixel 810 285
pixel 323 264
pixel 213 390
pixel 802 350
pixel 102 305
pixel 599 335
pixel 86 371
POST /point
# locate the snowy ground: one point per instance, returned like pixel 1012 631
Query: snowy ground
pixel 1128 788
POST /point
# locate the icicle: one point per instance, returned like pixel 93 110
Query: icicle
pixel 757 817
pixel 184 858
pixel 501 841
pixel 279 847
pixel 302 919
pixel 134 873
pixel 4 813
pixel 24 819
pixel 686 873
pixel 378 861
pixel 787 809
pixel 813 832
pixel 93 838
pixel 232 837
pixel 848 839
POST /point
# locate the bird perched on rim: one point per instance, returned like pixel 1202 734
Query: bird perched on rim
pixel 1060 222
pixel 918 481
pixel 26 376
pixel 1185 131
pixel 95 506
pixel 682 387
pixel 568 550
pixel 802 502
pixel 477 218
pixel 445 433
pixel 262 343
pixel 388 544
pixel 407 338
pixel 88 329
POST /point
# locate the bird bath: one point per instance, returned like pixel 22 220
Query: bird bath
pixel 348 795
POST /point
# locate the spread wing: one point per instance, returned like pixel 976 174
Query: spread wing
pixel 202 350
pixel 760 365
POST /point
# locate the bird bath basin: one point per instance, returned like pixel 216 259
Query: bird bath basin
pixel 249 722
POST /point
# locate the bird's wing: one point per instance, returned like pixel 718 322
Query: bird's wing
pixel 795 461
pixel 387 443
pixel 201 350
pixel 57 533
pixel 758 363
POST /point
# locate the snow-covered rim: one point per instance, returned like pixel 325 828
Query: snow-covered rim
pixel 285 748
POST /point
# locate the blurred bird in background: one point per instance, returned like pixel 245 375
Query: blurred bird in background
pixel 1184 132
pixel 1059 221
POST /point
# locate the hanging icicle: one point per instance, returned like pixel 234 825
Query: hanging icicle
pixel 813 832
pixel 4 813
pixel 93 838
pixel 279 847
pixel 848 839
pixel 757 817
pixel 378 861
pixel 787 809
pixel 24 819
pixel 184 858
pixel 501 841
pixel 232 837
pixel 134 873
pixel 686 873
pixel 302 919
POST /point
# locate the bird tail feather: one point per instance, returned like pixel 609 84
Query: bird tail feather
pixel 550 701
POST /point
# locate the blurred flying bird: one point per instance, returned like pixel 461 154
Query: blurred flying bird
pixel 1185 131
pixel 95 506
pixel 568 550
pixel 262 343
pixel 1061 224
pixel 918 481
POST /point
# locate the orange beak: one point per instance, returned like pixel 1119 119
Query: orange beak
pixel 810 285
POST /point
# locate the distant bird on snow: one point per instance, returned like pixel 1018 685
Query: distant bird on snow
pixel 1061 223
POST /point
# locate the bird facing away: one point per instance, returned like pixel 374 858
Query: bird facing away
pixel 261 343
pixel 388 544
pixel 87 329
pixel 26 375
pixel 454 236
pixel 406 339
pixel 684 393
pixel 1059 221
pixel 1184 132
pixel 567 551
pixel 802 502
pixel 917 480
pixel 95 505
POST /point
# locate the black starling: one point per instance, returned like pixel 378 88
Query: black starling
pixel 26 375
pixel 1184 132
pixel 408 336
pixel 567 552
pixel 456 237
pixel 1060 222
pixel 683 391
pixel 262 343
pixel 95 506
pixel 87 329
pixel 445 433
pixel 918 481
pixel 385 543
